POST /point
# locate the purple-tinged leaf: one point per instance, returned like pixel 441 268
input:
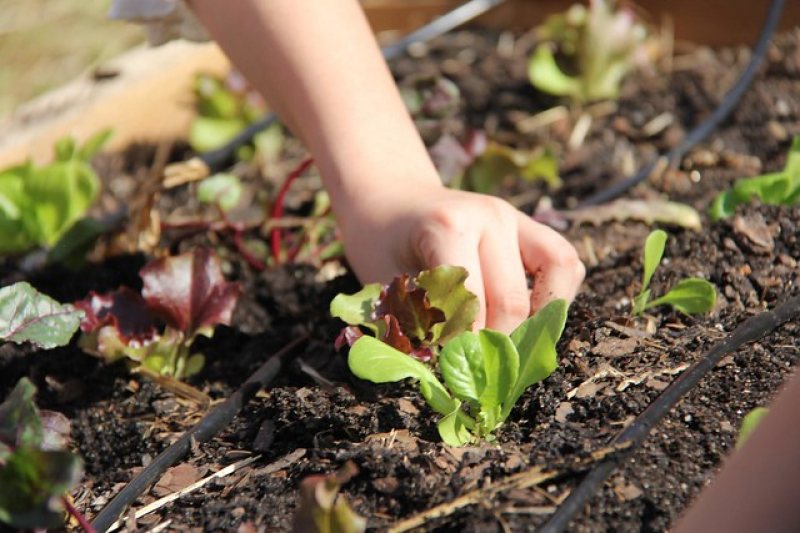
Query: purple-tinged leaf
pixel 349 335
pixel 55 431
pixel 27 315
pixel 20 424
pixel 410 306
pixel 323 509
pixel 123 309
pixel 189 292
pixel 393 335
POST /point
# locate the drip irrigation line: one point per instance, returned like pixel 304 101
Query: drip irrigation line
pixel 216 160
pixel 750 330
pixel 705 128
pixel 211 424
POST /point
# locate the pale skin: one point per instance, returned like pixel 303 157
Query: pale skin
pixel 318 65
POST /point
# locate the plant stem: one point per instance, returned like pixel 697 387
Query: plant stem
pixel 77 515
pixel 277 209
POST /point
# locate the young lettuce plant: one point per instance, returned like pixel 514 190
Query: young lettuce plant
pixel 415 316
pixel 36 470
pixel 481 166
pixel 186 293
pixel 27 315
pixel 601 45
pixel 689 296
pixel 39 204
pixel 484 372
pixel 777 188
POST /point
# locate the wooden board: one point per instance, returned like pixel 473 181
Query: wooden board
pixel 150 98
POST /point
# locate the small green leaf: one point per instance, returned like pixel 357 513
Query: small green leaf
pixel 690 296
pixel 94 144
pixel 26 315
pixel 501 364
pixel 446 291
pixel 545 75
pixel 222 189
pixel 453 430
pixel 640 302
pixel 722 207
pixel 357 309
pixel 653 251
pixel 378 362
pixel 194 364
pixel 210 133
pixel 536 340
pixel 65 148
pixel 749 424
pixel 72 247
pixel 461 363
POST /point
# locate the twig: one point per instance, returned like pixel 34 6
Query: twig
pixel 77 515
pixel 169 498
pixel 522 480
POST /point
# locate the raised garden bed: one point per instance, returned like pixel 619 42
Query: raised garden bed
pixel 610 366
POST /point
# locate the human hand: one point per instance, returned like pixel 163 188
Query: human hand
pixel 399 229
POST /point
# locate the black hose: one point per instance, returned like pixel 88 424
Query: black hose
pixel 217 419
pixel 705 128
pixel 217 159
pixel 749 331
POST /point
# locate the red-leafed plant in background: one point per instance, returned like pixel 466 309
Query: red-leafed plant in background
pixel 186 294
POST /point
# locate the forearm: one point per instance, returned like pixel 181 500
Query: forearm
pixel 317 64
pixel 757 489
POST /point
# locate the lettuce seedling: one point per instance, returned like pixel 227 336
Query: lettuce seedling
pixel 484 372
pixel 36 471
pixel 689 296
pixel 222 190
pixel 481 166
pixel 322 509
pixel 749 424
pixel 777 188
pixel 415 316
pixel 186 294
pixel 38 204
pixel 26 315
pixel 600 44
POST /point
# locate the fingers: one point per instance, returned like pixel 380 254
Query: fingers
pixel 557 270
pixel 507 298
pixel 447 244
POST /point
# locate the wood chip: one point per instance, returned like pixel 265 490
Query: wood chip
pixel 755 229
pixel 176 478
pixel 563 410
pixel 615 347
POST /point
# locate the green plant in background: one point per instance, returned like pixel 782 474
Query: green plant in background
pixel 777 188
pixel 225 108
pixel 39 204
pixel 749 424
pixel 484 372
pixel 478 165
pixel 599 46
pixel 689 296
pixel 36 470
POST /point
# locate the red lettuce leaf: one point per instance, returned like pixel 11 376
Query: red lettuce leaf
pixel 409 305
pixel 393 335
pixel 123 309
pixel 189 292
pixel 349 335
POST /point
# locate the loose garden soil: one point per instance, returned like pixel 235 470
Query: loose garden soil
pixel 611 366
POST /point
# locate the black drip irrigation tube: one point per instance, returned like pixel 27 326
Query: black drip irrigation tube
pixel 216 160
pixel 705 128
pixel 211 424
pixel 750 330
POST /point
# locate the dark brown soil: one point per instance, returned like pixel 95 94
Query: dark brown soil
pixel 610 369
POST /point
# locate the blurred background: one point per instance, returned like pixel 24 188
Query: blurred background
pixel 44 43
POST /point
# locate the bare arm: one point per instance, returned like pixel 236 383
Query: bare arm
pixel 758 489
pixel 318 65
